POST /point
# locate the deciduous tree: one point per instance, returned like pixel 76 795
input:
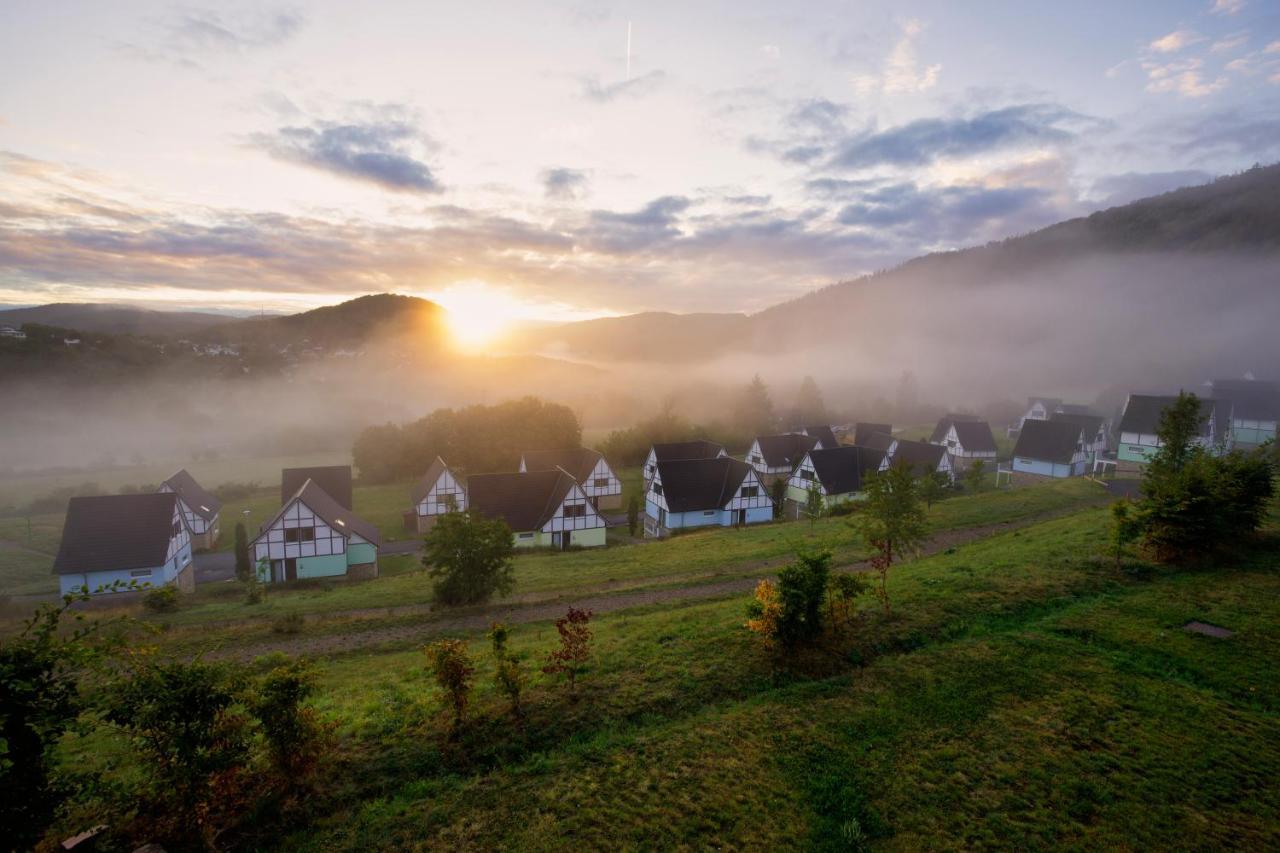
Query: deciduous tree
pixel 570 659
pixel 892 522
pixel 470 558
pixel 452 668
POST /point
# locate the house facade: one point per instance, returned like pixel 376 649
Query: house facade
pixel 1049 449
pixel 313 536
pixel 588 467
pixel 920 456
pixel 967 442
pixel 689 493
pixel 774 457
pixel 200 510
pixel 544 509
pixel 836 474
pixel 438 493
pixel 113 542
pixel 1096 430
pixel 679 450
pixel 1255 409
pixel 1141 420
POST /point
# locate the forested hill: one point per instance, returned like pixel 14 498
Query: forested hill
pixel 112 319
pixel 350 324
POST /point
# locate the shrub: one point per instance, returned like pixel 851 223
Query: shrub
pixel 508 677
pixel 162 599
pixel 470 556
pixel 802 586
pixel 290 728
pixel 289 623
pixel 633 515
pixel 453 671
pixel 892 522
pixel 244 565
pixel 575 638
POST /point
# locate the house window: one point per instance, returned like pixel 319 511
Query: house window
pixel 177 528
pixel 575 510
pixel 708 512
pixel 806 474
pixel 140 573
pixel 524 535
pixel 753 458
pixel 601 482
pixel 299 534
pixel 750 491
pixel 657 488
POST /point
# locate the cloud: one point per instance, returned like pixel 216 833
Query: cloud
pixel 1175 41
pixel 901 72
pixel 565 184
pixel 838 188
pixel 1229 43
pixel 950 214
pixel 203 33
pixel 594 90
pixel 1183 77
pixel 1273 47
pixel 375 148
pixel 1241 134
pixel 924 141
pixel 771 51
pixel 819 115
pixel 1226 7
pixel 628 232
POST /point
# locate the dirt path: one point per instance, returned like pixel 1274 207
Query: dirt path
pixel 599 602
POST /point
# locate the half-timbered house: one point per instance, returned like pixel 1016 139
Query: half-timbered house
pixel 1049 449
pixel 823 433
pixel 1038 409
pixel 335 480
pixel 1141 420
pixel 944 423
pixel 1255 409
pixel 679 450
pixel 314 536
pixel 837 474
pixel 863 430
pixel 437 493
pixel 920 456
pixel 689 493
pixel 113 543
pixel 200 510
pixel 1096 432
pixel 588 467
pixel 543 508
pixel 967 441
pixel 775 456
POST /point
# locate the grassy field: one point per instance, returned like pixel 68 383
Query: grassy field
pixel 1026 693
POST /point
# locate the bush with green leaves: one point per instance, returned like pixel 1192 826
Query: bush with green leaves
pixel 974 476
pixel 452 669
pixel 162 599
pixel 470 558
pixel 290 727
pixel 571 657
pixel 892 522
pixel 508 677
pixel 288 623
pixel 633 515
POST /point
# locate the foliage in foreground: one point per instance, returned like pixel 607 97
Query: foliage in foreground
pixel 892 521
pixel 470 558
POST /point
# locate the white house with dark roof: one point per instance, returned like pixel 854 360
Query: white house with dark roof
pixel 775 456
pixel 823 434
pixel 200 510
pixel 1255 409
pixel 588 467
pixel 113 542
pixel 1038 409
pixel 313 536
pixel 438 492
pixel 838 475
pixel 967 441
pixel 1096 430
pixel 920 456
pixel 679 450
pixel 687 493
pixel 1141 421
pixel 544 509
pixel 1052 449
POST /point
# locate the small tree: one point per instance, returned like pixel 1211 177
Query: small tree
pixel 453 671
pixel 802 586
pixel 507 676
pixel 254 584
pixel 1126 527
pixel 763 613
pixel 778 492
pixel 815 506
pixel 633 515
pixel 973 478
pixel 893 522
pixel 244 565
pixel 470 556
pixel 575 638
pixel 291 728
pixel 931 488
pixel 842 592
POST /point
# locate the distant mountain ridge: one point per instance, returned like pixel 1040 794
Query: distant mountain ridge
pixel 113 319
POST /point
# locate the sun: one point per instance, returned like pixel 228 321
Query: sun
pixel 477 314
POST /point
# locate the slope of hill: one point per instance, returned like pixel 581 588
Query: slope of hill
pixel 348 325
pixel 651 336
pixel 113 319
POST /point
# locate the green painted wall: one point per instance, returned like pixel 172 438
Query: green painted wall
pixel 322 567
pixel 1135 452
pixel 592 538
pixel 361 552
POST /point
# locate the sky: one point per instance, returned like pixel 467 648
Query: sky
pixel 556 161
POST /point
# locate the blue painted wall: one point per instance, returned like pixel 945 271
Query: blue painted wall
pixel 160 575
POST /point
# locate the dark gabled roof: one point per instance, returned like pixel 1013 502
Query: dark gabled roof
pixel 1251 399
pixel 919 455
pixel 881 441
pixel 338 517
pixel 975 436
pixel 196 498
pixel 945 422
pixel 1072 409
pixel 579 462
pixel 697 449
pixel 114 532
pixel 823 434
pixel 690 485
pixel 785 449
pixel 1050 403
pixel 334 479
pixel 424 485
pixel 1091 424
pixel 842 469
pixel 524 500
pixel 863 430
pixel 1142 413
pixel 1049 441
